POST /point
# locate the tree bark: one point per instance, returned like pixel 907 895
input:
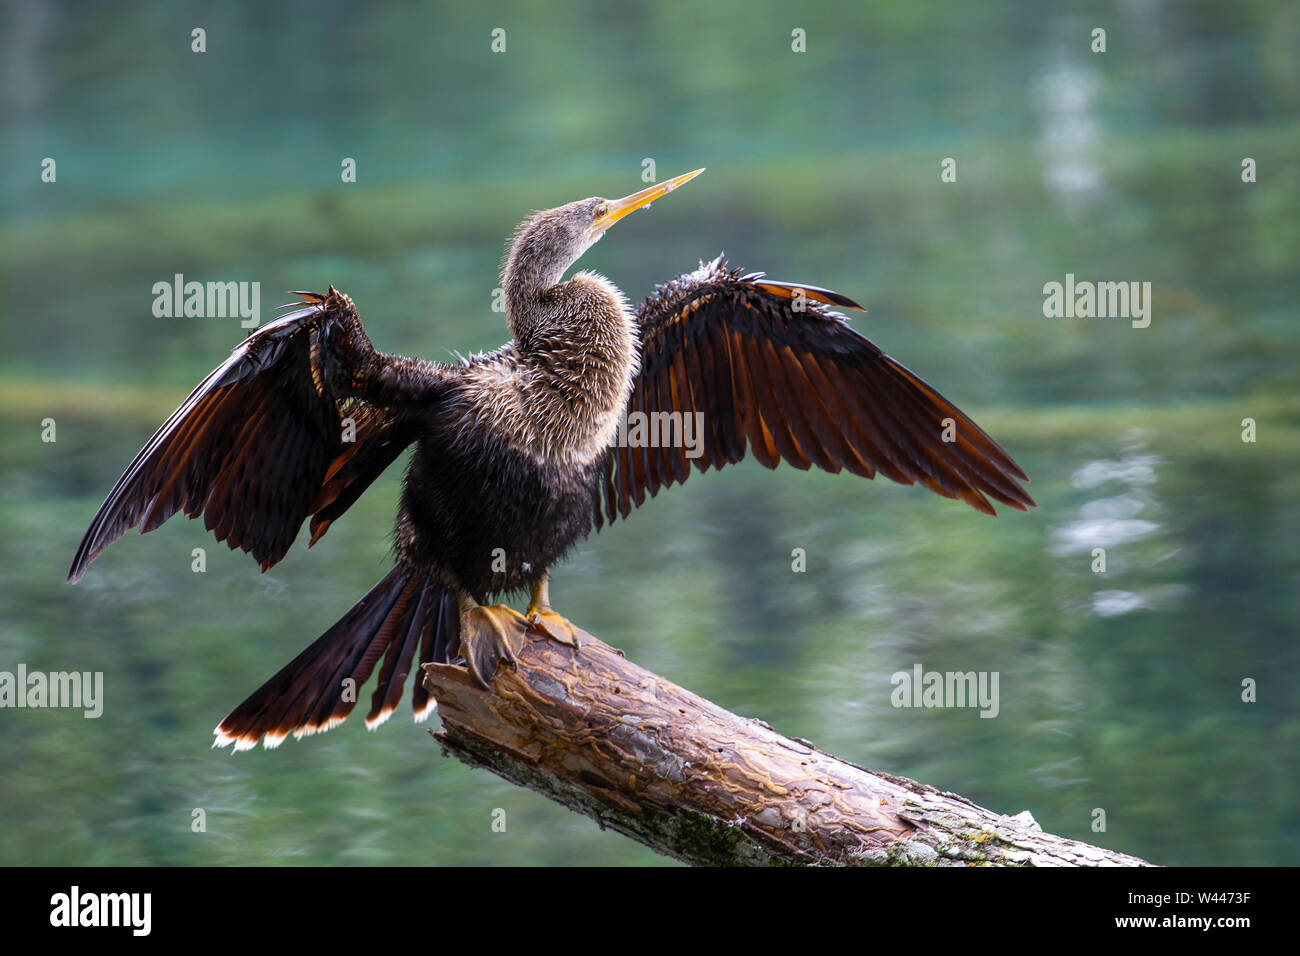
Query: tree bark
pixel 604 737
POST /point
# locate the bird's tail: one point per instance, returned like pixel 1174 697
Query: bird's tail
pixel 405 612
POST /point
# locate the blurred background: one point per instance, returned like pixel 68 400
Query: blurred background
pixel 1119 691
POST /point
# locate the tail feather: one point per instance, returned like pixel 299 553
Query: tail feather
pixel 318 688
pixel 420 616
pixel 440 642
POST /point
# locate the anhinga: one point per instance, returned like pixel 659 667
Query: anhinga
pixel 514 457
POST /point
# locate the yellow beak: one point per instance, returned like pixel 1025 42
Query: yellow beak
pixel 618 208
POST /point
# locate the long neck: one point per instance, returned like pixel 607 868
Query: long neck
pixel 577 346
pixel 575 342
pixel 532 270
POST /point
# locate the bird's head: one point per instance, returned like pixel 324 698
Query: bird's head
pixel 548 242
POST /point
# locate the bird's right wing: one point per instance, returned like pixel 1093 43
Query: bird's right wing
pixel 279 431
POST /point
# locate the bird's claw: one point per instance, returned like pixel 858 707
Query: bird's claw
pixel 544 621
pixel 488 637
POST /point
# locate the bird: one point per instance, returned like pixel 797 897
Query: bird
pixel 520 453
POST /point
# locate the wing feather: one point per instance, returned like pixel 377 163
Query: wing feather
pixel 774 371
pixel 256 447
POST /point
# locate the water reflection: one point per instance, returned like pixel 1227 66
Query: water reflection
pixel 1108 524
pixel 1063 98
pixel 1115 603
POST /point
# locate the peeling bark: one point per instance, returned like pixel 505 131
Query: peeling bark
pixel 607 738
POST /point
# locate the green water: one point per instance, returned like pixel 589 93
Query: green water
pixel 1119 691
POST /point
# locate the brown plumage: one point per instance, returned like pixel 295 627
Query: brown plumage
pixel 801 386
pixel 519 453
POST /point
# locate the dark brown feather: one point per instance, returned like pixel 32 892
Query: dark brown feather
pixel 256 448
pixel 791 384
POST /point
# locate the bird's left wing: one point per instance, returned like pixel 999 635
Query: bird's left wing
pixel 275 433
pixel 736 362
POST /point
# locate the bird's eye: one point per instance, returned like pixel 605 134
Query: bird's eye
pixel 601 210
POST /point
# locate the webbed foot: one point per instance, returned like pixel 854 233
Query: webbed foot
pixel 543 620
pixel 488 638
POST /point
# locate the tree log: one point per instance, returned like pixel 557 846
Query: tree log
pixel 606 738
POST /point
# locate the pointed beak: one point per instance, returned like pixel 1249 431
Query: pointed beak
pixel 618 208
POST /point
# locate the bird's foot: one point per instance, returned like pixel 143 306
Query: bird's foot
pixel 488 638
pixel 542 620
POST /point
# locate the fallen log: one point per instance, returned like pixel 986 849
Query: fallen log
pixel 638 754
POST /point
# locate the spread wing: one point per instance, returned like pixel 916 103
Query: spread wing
pixel 769 366
pixel 264 441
